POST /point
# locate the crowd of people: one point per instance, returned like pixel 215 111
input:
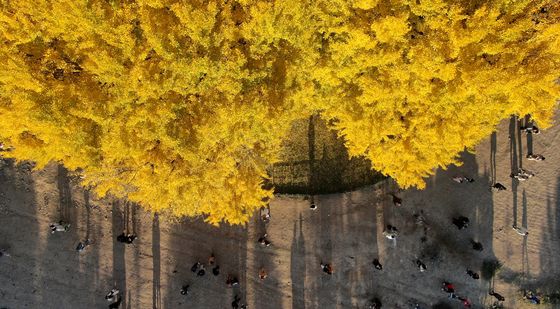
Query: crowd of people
pixel 391 232
pixel 461 222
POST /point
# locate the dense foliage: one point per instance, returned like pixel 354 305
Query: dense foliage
pixel 182 105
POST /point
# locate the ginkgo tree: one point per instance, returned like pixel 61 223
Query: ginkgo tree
pixel 183 105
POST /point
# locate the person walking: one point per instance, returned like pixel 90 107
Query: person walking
pixel 465 301
pixel 112 295
pixel 476 245
pixel 499 187
pixel 391 232
pixel 421 266
pixel 472 274
pixel 216 270
pixel 201 271
pixel 126 238
pixel 461 222
pixel 397 201
pixel 235 302
pixel 116 304
pixel 447 287
pixel 185 289
pixel 83 245
pixel 263 241
pixel 231 281
pixel 375 303
pixel 327 268
pixel 377 264
pixel 195 267
pixel 61 226
pixel 262 273
pixel 496 295
pixel 520 230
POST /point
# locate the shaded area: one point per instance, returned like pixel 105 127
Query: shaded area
pixel 16 184
pixel 314 160
pixel 183 248
pixel 493 145
pixel 449 249
pixel 515 162
pixel 298 266
pixel 119 258
pixel 156 258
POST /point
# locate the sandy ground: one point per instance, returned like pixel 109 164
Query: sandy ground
pixel 45 271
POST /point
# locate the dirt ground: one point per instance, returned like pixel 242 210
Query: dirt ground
pixel 45 271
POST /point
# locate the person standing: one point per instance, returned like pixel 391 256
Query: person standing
pixel 472 274
pixel 461 222
pixel 421 266
pixel 496 295
pixel 476 245
pixel 185 289
pixel 520 230
pixel 262 273
pixel 377 264
pixel 327 268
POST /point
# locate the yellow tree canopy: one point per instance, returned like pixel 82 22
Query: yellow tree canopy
pixel 182 105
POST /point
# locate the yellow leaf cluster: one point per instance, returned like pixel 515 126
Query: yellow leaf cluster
pixel 182 106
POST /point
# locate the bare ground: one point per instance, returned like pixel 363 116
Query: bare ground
pixel 45 271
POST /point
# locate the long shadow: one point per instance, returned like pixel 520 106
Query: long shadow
pixel 514 155
pixel 65 196
pixel 63 244
pixel 493 144
pixel 313 177
pixel 298 266
pixel 184 248
pixel 265 293
pixel 525 255
pixel 20 283
pixel 119 262
pixel 89 259
pixel 548 282
pixel 156 257
pixel 529 136
pixel 136 257
pixel 448 249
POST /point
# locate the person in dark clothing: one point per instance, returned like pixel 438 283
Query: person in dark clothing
pixel 216 270
pixel 231 281
pixel 476 245
pixel 496 295
pixel 185 290
pixel 201 271
pixel 235 302
pixel 112 295
pixel 327 268
pixel 377 265
pixel 397 201
pixel 375 303
pixel 465 301
pixel 263 241
pixel 126 238
pixel 116 304
pixel 421 266
pixel 195 267
pixel 461 222
pixel 499 187
pixel 472 274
